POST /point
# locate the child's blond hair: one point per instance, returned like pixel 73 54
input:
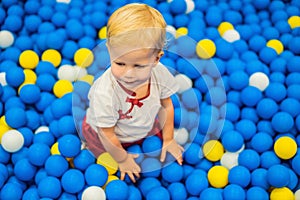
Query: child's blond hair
pixel 136 25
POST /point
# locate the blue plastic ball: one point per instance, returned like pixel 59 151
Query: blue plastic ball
pixel 238 80
pixel 24 42
pixel 250 96
pixel 69 145
pixel 296 164
pixel 84 159
pixel 117 190
pixel 291 106
pixel 158 193
pixel 276 91
pixel 192 153
pixel 30 93
pixel 232 141
pixel 213 16
pixel 255 193
pixel 13 23
pixel 45 82
pixel 203 83
pixel 38 154
pixel 268 159
pixel 45 67
pixel 147 184
pixel 261 142
pixel 69 48
pixel 74 29
pixel 259 178
pixel 172 172
pixel 211 193
pixel 73 181
pixel 257 42
pixel 266 108
pixel 150 167
pixel 246 128
pixel 177 191
pixel 45 12
pixel 267 55
pixel 60 108
pixel 45 137
pixel 15 76
pixel 234 191
pixel 292 78
pixel 292 91
pixel 294 45
pixel 14 102
pixel 134 193
pixel 24 170
pixel 178 7
pixel 196 182
pixel 66 125
pixel 249 159
pixel 56 165
pixel 49 187
pixel 291 64
pixel 224 49
pixel 152 146
pixel 216 96
pixel 31 193
pixel 282 122
pixel 15 117
pixel 278 65
pixel 278 176
pixel 239 175
pixel 11 191
pixel 32 22
pixel 96 175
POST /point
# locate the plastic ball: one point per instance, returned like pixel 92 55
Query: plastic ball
pixel 296 164
pixel 249 158
pixel 285 147
pixel 152 146
pixel 238 80
pixel 225 26
pixel 30 76
pixel 49 187
pixel 96 175
pixel 38 154
pixel 62 87
pixel 177 191
pixel 266 108
pixel 178 6
pixel 24 170
pixel 29 59
pixel 172 172
pixel 213 150
pixel 53 56
pixel 83 57
pixel 146 184
pixel 276 91
pixel 259 80
pixel 56 165
pixel 232 141
pixel 276 45
pixel 184 82
pixel 66 72
pixel 231 36
pixel 261 142
pixel 218 176
pixel 229 160
pixel 151 167
pixel 73 181
pixel 12 141
pixel 106 160
pixel 30 93
pixel 239 175
pixel 158 193
pixel 117 189
pixel 11 191
pixel 15 76
pixel 281 194
pixel 233 191
pixel 294 22
pixel 282 122
pixel 196 182
pixel 93 193
pixel 102 33
pixel 257 193
pixel 250 96
pixel 206 48
pixel 7 39
pixel 84 159
pixel 181 136
pixel 192 154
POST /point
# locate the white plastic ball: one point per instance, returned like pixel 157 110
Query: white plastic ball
pixel 63 1
pixel 190 6
pixel 231 35
pixel 93 193
pixel 259 80
pixel 229 160
pixel 42 129
pixel 171 29
pixel 12 141
pixel 79 72
pixel 181 136
pixel 184 82
pixel 297 195
pixel 6 39
pixel 67 72
pixel 3 79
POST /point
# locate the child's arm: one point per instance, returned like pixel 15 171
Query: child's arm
pixel 166 118
pixel 113 146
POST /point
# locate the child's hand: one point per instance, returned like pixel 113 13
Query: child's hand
pixel 174 149
pixel 129 166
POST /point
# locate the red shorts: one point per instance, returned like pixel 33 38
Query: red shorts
pixel 95 145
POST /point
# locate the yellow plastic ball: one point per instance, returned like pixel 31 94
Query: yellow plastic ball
pixel 110 178
pixel 294 22
pixel 102 32
pixel 29 59
pixel 213 150
pixel 83 57
pixel 285 147
pixel 181 31
pixel 3 121
pixel 62 87
pixel 30 76
pixel 87 78
pixel 206 48
pixel 53 56
pixel 3 129
pixel 283 193
pixel 225 26
pixel 54 149
pixel 218 176
pixel 107 161
pixel 276 45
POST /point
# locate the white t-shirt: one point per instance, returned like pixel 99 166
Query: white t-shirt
pixel 111 105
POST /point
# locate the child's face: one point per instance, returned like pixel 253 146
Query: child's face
pixel 133 69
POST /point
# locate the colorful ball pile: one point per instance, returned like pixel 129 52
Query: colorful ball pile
pixel 237 111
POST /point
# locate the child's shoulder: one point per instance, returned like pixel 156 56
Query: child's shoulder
pixel 103 83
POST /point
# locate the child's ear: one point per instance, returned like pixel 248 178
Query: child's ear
pixel 159 55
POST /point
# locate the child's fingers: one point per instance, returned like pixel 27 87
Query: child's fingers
pixel 163 155
pixel 122 176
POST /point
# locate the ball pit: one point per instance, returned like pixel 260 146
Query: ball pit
pixel 236 112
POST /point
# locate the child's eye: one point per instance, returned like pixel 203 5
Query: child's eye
pixel 140 66
pixel 120 63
